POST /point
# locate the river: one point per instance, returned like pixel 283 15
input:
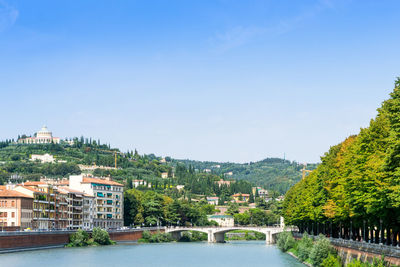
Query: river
pixel 233 253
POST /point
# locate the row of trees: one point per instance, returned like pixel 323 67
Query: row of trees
pixel 355 192
pixel 151 208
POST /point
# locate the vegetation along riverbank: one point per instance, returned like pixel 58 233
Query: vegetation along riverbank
pixel 189 236
pixel 320 252
pixel 82 238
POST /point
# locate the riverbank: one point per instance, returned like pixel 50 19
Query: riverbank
pixel 321 251
pixel 34 240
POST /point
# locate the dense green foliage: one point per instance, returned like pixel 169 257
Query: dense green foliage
pixel 358 181
pixel 101 236
pixel 150 209
pixel 304 247
pixel 285 241
pixel 193 236
pixel 256 217
pixel 158 237
pixel 271 173
pixel 320 250
pixel 81 238
pixel 245 235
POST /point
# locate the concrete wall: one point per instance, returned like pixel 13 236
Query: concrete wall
pixel 11 241
pixel 130 235
pixel 32 239
pixel 349 249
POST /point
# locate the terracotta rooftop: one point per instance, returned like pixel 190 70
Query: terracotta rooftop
pixel 12 193
pixel 87 180
pixel 31 188
pixel 67 189
pixel 243 195
pixel 33 183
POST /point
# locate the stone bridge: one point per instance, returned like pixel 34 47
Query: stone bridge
pixel 217 234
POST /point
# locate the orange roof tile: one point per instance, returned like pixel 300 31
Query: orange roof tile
pixel 32 189
pixel 70 190
pixel 12 193
pixel 87 180
pixel 243 195
pixel 32 183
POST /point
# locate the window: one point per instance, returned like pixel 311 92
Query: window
pixel 12 214
pixel 13 203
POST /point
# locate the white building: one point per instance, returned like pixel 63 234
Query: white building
pixel 212 200
pixel 222 220
pixel 137 183
pixel 46 158
pixel 44 136
pixel 108 199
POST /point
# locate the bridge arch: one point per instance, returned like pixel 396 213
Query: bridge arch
pixel 176 233
pixel 217 234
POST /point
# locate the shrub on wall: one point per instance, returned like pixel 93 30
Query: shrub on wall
pixel 78 239
pixel 285 241
pixel 320 251
pixel 304 247
pixel 101 236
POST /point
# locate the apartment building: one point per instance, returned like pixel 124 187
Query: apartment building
pixel 15 209
pixel 62 210
pixel 107 199
pixel 44 202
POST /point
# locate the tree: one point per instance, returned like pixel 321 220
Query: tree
pixel 320 251
pixel 233 208
pixel 285 241
pixel 304 247
pixel 101 236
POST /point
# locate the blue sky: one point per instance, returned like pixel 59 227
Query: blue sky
pixel 207 80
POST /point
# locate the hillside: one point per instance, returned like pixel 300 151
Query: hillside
pixel 270 173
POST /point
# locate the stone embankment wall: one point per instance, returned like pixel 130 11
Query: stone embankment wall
pixel 17 241
pixel 349 249
pixel 131 235
pixel 366 251
pixel 11 241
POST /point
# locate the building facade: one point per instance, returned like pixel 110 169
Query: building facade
pixel 44 136
pixel 107 197
pixel 46 158
pixel 44 204
pixel 222 220
pixel 15 209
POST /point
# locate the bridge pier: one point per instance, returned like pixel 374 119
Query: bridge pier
pixel 211 237
pixel 176 235
pixel 220 237
pixel 268 238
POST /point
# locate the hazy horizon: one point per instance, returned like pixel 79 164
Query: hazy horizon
pixel 211 80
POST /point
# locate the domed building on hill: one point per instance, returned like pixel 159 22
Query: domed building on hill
pixel 44 136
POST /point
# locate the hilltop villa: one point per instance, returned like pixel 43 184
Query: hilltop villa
pixel 44 136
